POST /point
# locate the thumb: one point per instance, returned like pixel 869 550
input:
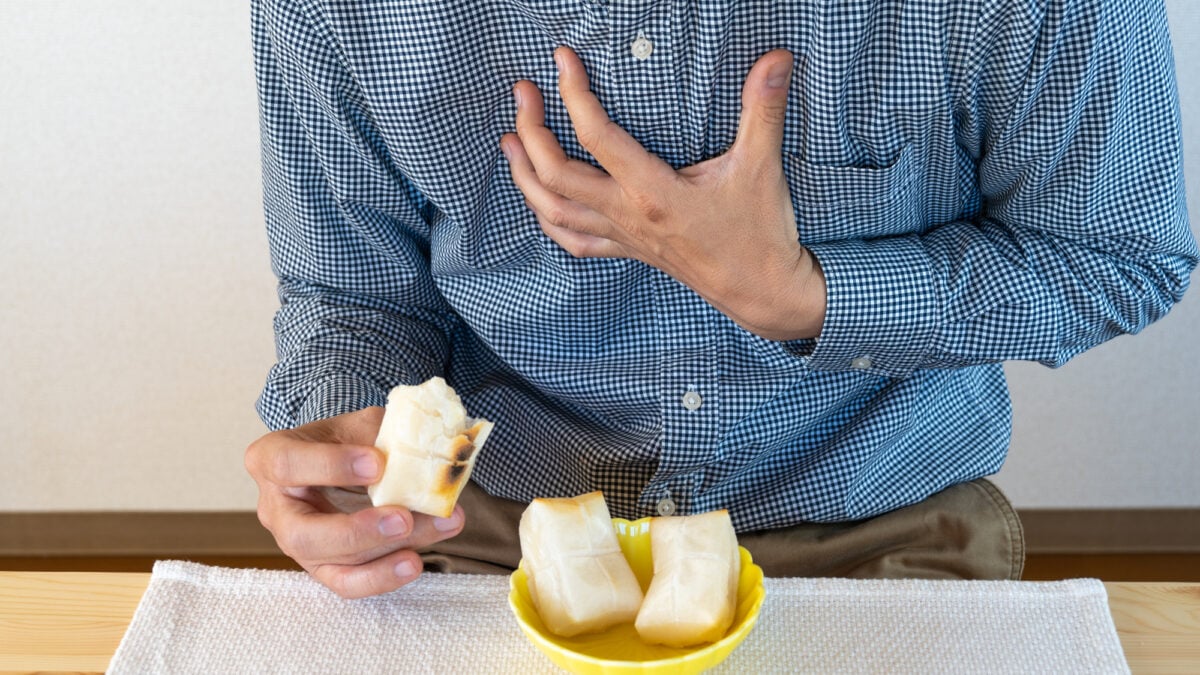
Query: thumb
pixel 764 106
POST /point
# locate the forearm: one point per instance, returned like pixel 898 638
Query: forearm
pixel 970 293
pixel 359 310
pixel 337 354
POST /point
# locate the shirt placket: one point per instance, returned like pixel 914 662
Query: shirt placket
pixel 643 60
pixel 689 396
pixel 647 104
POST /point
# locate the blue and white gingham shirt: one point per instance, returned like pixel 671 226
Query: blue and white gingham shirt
pixel 981 180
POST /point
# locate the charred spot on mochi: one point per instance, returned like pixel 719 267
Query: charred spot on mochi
pixel 461 449
pixel 455 473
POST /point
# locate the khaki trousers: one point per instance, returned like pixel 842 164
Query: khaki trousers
pixel 967 531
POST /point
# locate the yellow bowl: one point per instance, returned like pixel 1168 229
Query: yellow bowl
pixel 619 649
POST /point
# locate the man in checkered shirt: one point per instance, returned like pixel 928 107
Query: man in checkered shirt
pixel 760 256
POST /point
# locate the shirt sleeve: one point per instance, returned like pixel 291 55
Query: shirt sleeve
pixel 348 240
pixel 1070 111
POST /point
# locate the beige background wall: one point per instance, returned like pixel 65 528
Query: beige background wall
pixel 136 301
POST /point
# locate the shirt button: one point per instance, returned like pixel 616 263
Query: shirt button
pixel 641 48
pixel 861 363
pixel 692 400
pixel 665 507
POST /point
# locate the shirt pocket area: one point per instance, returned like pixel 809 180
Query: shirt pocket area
pixel 851 202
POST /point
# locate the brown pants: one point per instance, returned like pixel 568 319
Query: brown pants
pixel 968 531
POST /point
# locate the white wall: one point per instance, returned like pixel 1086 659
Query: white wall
pixel 135 317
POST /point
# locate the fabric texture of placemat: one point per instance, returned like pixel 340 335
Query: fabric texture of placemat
pixel 199 619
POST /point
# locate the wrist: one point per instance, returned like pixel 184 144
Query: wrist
pixel 792 306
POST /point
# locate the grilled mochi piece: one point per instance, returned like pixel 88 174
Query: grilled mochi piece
pixel 430 444
pixel 579 580
pixel 693 593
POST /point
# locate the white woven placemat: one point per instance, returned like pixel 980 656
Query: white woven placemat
pixel 200 619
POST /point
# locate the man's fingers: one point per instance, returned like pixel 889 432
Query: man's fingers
pixel 531 122
pixel 311 534
pixel 577 228
pixel 764 106
pixel 549 205
pixel 381 575
pixel 289 462
pixel 568 177
pixel 391 564
pixel 315 536
pixel 619 153
pixel 583 245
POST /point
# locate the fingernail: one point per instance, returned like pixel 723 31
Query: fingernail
pixel 393 525
pixel 517 96
pixel 447 524
pixel 505 150
pixel 558 60
pixel 405 569
pixel 366 467
pixel 778 75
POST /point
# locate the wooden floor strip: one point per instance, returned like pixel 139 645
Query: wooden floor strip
pixel 1114 544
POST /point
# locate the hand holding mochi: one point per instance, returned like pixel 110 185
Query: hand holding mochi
pixel 693 593
pixel 578 578
pixel 430 444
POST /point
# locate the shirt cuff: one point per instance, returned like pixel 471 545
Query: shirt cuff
pixel 338 395
pixel 882 308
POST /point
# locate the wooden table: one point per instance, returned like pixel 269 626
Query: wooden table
pixel 73 621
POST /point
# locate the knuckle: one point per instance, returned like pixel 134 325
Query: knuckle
pixel 253 458
pixel 277 466
pixel 552 179
pixel 264 514
pixel 589 138
pixel 773 114
pixel 267 521
pixel 351 585
pixel 556 216
pixel 564 243
pixel 336 581
pixel 596 137
pixel 649 205
pixel 358 558
pixel 575 250
pixel 352 540
pixel 293 542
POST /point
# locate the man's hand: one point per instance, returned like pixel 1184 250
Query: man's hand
pixel 724 227
pixel 355 550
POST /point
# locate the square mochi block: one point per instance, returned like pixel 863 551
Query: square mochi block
pixel 430 444
pixel 693 594
pixel 579 580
